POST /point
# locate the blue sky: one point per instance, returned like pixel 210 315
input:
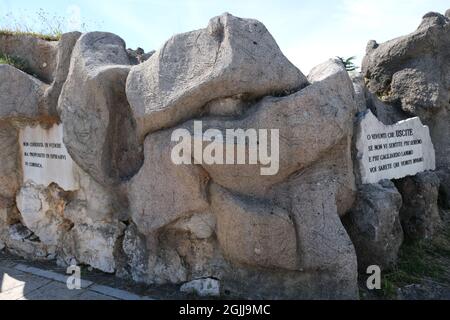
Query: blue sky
pixel 308 32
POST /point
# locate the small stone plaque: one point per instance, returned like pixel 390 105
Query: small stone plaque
pixel 45 159
pixel 393 151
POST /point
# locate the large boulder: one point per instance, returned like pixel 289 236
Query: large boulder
pixel 162 192
pixel 231 56
pixel 257 216
pixel 39 55
pixel 64 52
pixel 46 62
pixel 374 225
pixel 21 95
pixel 324 248
pixel 412 74
pixel 419 214
pixel 99 130
pixel 311 122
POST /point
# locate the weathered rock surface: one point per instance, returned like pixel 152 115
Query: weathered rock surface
pixel 374 225
pixel 312 196
pixel 201 225
pixel 42 212
pixel 10 173
pixel 229 57
pixel 21 94
pixel 366 100
pixel 163 192
pixel 419 214
pixel 81 226
pixel 265 233
pixel 257 216
pixel 5 220
pixel 360 92
pixel 93 244
pixel 96 213
pixel 202 287
pixel 428 289
pixel 64 53
pixel 310 123
pixel 39 55
pixel 444 189
pixel 21 241
pixel 93 203
pixel 99 130
pixel 135 264
pixel 139 56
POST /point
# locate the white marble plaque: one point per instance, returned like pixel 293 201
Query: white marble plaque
pixel 45 159
pixel 393 151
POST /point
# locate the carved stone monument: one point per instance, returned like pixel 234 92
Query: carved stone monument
pixel 45 159
pixel 393 151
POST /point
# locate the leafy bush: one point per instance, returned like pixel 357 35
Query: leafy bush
pixel 348 63
pixel 15 62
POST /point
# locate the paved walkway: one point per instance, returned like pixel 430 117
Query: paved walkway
pixel 23 282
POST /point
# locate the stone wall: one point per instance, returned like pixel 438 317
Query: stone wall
pixel 134 212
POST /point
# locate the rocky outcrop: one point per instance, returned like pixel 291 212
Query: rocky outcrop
pixel 162 186
pixel 268 222
pixel 21 94
pixel 99 131
pixel 64 53
pixel 39 55
pixel 231 56
pixel 374 225
pixel 411 74
pixel 164 193
pixel 47 63
pixel 419 214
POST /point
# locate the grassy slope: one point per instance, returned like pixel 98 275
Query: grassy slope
pixel 14 61
pixel 47 37
pixel 418 261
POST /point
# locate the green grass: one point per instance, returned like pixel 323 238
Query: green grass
pixel 417 261
pixel 47 37
pixel 15 62
pixel 39 24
